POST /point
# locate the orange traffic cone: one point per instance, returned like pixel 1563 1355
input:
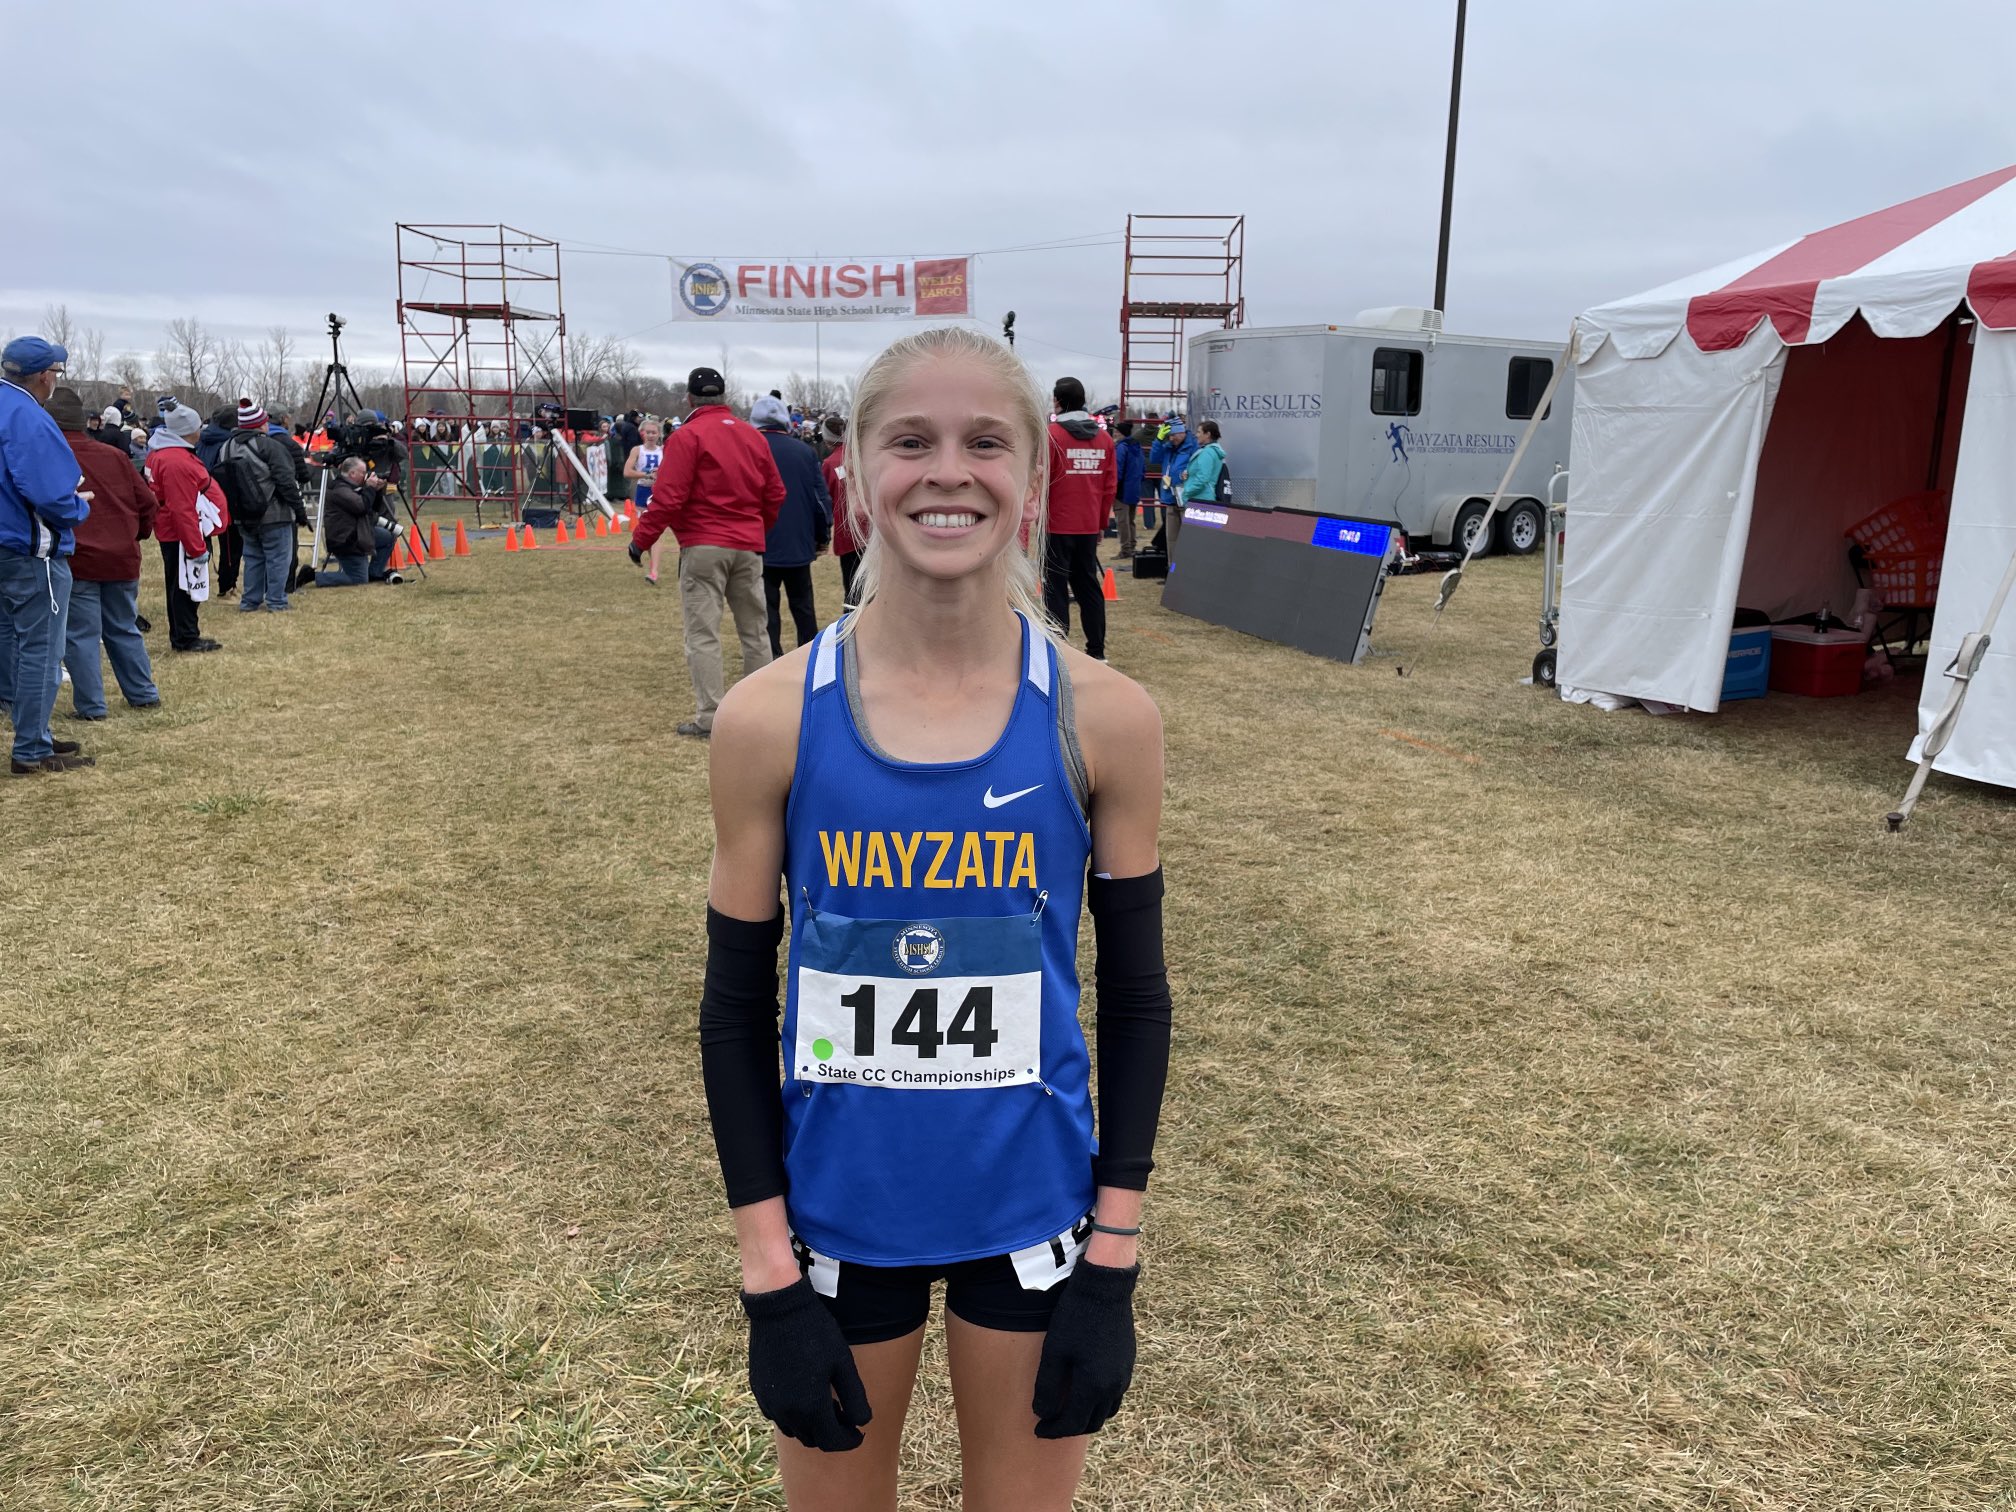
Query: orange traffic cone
pixel 461 540
pixel 399 558
pixel 601 525
pixel 560 538
pixel 419 553
pixel 531 539
pixel 1111 590
pixel 434 540
pixel 581 528
pixel 510 538
pixel 630 511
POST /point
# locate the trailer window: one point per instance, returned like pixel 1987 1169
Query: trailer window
pixel 1526 379
pixel 1396 381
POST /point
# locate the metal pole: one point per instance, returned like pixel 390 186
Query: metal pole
pixel 1449 160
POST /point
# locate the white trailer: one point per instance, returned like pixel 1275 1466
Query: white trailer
pixel 1387 418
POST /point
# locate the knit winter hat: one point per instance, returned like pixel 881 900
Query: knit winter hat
pixel 251 416
pixel 66 408
pixel 111 416
pixel 183 421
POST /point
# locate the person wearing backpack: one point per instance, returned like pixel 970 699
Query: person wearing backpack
pixel 229 551
pixel 257 473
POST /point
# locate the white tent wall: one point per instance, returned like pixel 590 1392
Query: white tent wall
pixel 1853 430
pixel 1664 453
pixel 1980 539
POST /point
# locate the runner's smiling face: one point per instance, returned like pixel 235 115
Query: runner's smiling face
pixel 954 477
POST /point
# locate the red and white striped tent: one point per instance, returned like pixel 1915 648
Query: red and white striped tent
pixel 1729 427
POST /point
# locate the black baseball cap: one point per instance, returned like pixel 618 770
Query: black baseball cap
pixel 705 383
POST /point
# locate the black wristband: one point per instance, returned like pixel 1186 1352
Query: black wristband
pixel 1124 1233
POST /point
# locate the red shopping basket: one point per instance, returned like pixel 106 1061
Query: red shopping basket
pixel 1902 543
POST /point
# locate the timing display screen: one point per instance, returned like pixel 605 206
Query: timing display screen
pixel 1352 535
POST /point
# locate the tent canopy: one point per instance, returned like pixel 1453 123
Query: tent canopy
pixel 1729 427
pixel 1903 270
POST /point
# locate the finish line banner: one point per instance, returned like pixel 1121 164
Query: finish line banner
pixel 825 289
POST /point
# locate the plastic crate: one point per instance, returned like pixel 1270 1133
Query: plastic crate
pixel 1905 582
pixel 1903 544
pixel 1747 673
pixel 1914 525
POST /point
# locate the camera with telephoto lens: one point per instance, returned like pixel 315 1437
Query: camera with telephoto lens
pixel 363 435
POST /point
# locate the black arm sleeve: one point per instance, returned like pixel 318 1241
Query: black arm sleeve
pixel 738 1055
pixel 1132 1025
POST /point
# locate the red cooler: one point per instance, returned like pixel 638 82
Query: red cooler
pixel 1817 663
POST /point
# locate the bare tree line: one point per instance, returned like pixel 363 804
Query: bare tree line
pixel 204 370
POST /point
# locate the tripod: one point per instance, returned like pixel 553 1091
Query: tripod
pixel 339 403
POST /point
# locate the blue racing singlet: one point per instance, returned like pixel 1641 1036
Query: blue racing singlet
pixel 937 1104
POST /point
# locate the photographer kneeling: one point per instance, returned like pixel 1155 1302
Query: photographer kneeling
pixel 358 529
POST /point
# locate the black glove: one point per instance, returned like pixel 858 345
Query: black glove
pixel 798 1364
pixel 1088 1354
pixel 301 518
pixel 636 555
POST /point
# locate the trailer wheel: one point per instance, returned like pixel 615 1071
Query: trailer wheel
pixel 1521 529
pixel 1549 633
pixel 1468 522
pixel 1543 669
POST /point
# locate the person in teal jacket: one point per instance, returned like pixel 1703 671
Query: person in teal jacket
pixel 1200 479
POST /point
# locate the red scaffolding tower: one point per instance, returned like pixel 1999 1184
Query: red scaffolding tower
pixel 1181 270
pixel 464 293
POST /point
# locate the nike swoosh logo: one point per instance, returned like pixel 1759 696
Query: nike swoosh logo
pixel 993 803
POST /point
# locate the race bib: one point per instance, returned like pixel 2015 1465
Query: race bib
pixel 924 1005
pixel 1042 1266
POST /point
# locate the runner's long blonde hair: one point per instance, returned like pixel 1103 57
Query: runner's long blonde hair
pixel 1021 570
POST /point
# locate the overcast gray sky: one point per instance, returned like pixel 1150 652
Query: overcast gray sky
pixel 247 165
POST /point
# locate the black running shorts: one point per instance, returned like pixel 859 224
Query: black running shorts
pixel 875 1303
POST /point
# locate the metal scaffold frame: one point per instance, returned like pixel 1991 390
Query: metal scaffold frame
pixel 464 292
pixel 1181 270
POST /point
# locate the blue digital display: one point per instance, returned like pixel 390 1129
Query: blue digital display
pixel 1352 535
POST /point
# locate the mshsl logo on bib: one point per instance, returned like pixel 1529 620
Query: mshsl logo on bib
pixel 857 1022
pixel 919 949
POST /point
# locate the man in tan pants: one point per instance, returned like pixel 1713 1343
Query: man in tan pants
pixel 717 491
pixel 709 578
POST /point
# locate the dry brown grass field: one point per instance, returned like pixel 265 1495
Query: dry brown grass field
pixel 1569 1110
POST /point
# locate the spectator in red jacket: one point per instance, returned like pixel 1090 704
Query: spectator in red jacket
pixel 105 571
pixel 189 500
pixel 847 543
pixel 717 490
pixel 1082 484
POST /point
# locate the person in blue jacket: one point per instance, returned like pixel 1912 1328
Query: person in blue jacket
pixel 40 508
pixel 1174 456
pixel 803 529
pixel 1130 466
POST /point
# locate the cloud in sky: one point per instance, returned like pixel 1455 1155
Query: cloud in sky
pixel 241 173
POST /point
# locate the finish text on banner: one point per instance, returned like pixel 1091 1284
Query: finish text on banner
pixel 825 289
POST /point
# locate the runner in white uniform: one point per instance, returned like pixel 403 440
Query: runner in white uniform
pixel 638 467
